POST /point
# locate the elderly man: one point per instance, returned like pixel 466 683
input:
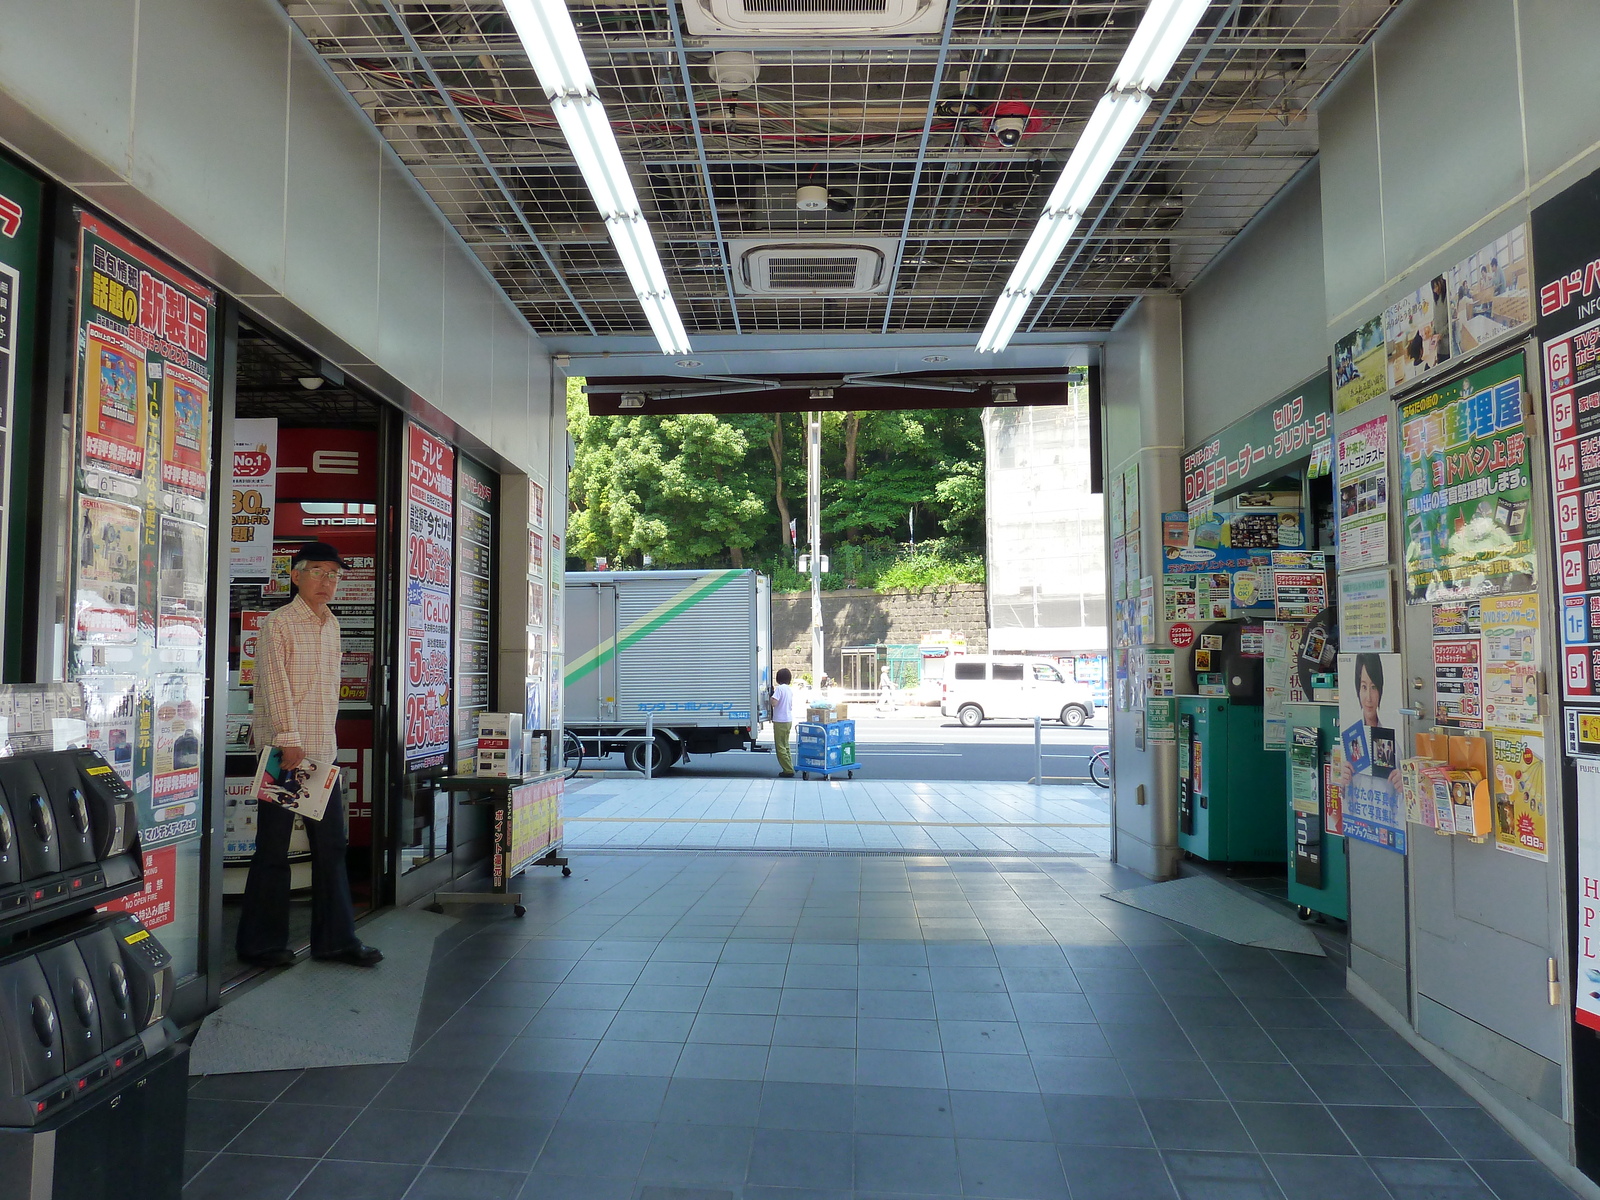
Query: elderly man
pixel 297 702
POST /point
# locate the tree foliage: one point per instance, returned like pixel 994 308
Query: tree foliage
pixel 702 490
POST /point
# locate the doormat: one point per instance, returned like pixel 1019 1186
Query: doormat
pixel 327 1014
pixel 1218 909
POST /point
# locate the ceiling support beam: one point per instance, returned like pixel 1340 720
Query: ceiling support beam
pixel 922 158
pixel 483 157
pixel 1133 163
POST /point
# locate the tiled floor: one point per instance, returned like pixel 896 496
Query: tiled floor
pixel 764 1027
pixel 839 814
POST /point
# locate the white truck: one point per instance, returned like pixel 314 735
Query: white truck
pixel 689 650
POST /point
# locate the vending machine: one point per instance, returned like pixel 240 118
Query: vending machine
pixel 1230 790
pixel 1318 880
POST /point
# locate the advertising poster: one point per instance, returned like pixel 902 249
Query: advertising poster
pixel 1366 612
pixel 1160 722
pixel 1362 477
pixel 106 603
pixel 1458 683
pixel 185 440
pixel 249 635
pixel 535 504
pixel 1119 568
pixel 180 702
pixel 142 384
pixel 22 199
pixel 1119 486
pixel 1416 330
pixel 1147 611
pixel 110 707
pixel 155 905
pixel 1134 563
pixel 1521 814
pixel 1299 584
pixel 1489 292
pixel 1587 915
pixel 430 522
pixel 475 494
pixel 1366 759
pixel 181 589
pixel 1510 629
pixel 255 460
pixel 1278 678
pixel 1465 487
pixel 1358 366
pixel 1130 499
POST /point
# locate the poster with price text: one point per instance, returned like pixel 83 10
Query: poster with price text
pixel 430 578
pixel 255 478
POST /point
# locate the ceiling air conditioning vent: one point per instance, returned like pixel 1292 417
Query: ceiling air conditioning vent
pixel 801 18
pixel 773 268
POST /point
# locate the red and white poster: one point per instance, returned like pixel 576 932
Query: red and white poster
pixel 430 522
pixel 255 462
pixel 153 905
pixel 249 634
pixel 113 401
pixel 185 430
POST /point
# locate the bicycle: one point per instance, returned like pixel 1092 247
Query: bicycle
pixel 1100 767
pixel 571 753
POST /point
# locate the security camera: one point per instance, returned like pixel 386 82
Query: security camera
pixel 1008 131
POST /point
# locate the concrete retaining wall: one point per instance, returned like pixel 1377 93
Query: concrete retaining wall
pixel 859 617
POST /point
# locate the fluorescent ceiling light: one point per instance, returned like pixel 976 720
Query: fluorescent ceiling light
pixel 1156 44
pixel 1161 36
pixel 547 33
pixel 1110 126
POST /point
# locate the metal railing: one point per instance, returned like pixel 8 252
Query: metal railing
pixel 601 740
pixel 1039 777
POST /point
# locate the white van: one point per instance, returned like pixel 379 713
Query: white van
pixel 982 687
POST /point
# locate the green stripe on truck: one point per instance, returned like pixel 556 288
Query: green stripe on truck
pixel 648 624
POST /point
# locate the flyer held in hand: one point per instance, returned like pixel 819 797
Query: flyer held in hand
pixel 303 790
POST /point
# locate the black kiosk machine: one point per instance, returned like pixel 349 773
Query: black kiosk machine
pixel 93 1084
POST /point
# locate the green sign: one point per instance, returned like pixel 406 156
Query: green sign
pixel 1465 488
pixel 21 214
pixel 1160 719
pixel 1277 436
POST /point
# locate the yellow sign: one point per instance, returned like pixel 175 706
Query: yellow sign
pixel 1521 814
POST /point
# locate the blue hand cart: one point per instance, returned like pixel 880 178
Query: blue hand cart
pixel 827 750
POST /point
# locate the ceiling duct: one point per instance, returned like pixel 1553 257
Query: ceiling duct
pixel 766 267
pixel 811 18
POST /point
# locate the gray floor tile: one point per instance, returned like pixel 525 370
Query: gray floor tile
pixel 212 1124
pixel 331 1180
pixel 1080 1076
pixel 919 1166
pixel 904 1111
pixel 1335 1084
pixel 569 1055
pixel 705 1060
pixel 392 1136
pixel 1194 1125
pixel 1116 1173
pixel 1153 1079
pixel 1317 1177
pixel 491 1142
pixel 599 1097
pixel 819 1002
pixel 262 1087
pixel 1522 1181
pixel 648 1026
pixel 451 1183
pixel 293 1130
pixel 614 1056
pixel 1203 1176
pixel 1234 1043
pixel 1427 1085
pixel 1384 1132
pixel 811 1064
pixel 1277 1082
pixel 754 1001
pixel 803 1158
pixel 1025 1170
pixel 973 1006
pixel 248 1177
pixel 1278 1128
pixel 607 1148
pixel 1051 1007
pixel 1475 1134
pixel 1414 1179
pixel 1097 1121
pixel 888 1033
pixel 794 1030
pixel 1005 1116
pixel 819 1107
pixel 700 1154
pixel 901 1068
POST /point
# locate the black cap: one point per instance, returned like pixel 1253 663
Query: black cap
pixel 316 552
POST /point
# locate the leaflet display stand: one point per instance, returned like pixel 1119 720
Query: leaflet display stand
pixel 525 821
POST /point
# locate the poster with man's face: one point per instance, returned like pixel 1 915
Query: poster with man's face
pixel 1366 759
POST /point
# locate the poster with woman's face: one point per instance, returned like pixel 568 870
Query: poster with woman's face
pixel 1367 757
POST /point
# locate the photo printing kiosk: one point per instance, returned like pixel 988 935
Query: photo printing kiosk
pixel 93 1084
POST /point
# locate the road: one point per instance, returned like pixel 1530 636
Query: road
pixel 902 747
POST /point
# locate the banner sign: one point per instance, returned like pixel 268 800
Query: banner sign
pixel 430 579
pixel 255 480
pixel 476 487
pixel 1276 436
pixel 1465 488
pixel 1361 475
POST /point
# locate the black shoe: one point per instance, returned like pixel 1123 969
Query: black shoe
pixel 272 958
pixel 357 956
pixel 785 774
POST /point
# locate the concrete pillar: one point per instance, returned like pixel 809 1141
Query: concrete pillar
pixel 1142 395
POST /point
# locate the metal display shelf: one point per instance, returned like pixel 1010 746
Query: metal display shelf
pixel 515 850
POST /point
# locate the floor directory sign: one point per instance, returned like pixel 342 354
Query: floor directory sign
pixel 430 580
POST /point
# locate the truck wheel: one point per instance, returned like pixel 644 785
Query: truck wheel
pixel 970 716
pixel 634 755
pixel 1072 716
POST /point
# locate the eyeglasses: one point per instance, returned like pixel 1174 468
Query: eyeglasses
pixel 331 575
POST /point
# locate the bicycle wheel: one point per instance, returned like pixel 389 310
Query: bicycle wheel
pixel 1100 769
pixel 571 753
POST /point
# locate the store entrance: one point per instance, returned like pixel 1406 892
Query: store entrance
pixel 317 445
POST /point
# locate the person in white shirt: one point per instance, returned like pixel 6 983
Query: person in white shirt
pixel 783 723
